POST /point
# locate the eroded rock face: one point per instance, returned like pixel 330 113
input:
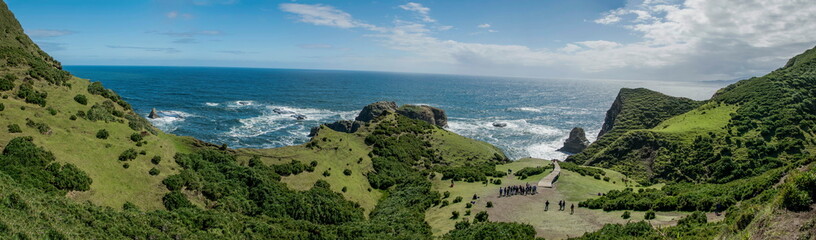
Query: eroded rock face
pixel 425 113
pixel 346 126
pixel 576 142
pixel 611 115
pixel 376 109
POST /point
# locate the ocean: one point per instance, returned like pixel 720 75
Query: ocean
pixel 234 106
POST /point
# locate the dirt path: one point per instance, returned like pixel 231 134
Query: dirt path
pixel 549 180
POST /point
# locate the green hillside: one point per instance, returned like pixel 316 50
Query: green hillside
pixel 746 152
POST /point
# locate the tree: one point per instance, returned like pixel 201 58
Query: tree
pixel 81 99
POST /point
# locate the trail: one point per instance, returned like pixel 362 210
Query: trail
pixel 549 180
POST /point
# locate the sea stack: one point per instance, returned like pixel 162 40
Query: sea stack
pixel 576 142
pixel 153 114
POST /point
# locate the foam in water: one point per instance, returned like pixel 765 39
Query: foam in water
pixel 269 121
pixel 211 104
pixel 168 120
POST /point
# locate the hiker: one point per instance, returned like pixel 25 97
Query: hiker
pixel 475 197
pixel 451 183
pixel 501 192
pixel 547 205
pixel 572 209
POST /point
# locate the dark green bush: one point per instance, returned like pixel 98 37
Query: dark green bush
pixel 81 99
pixel 42 128
pixel 626 215
pixel 27 92
pixel 14 128
pixel 156 159
pixel 102 134
pixel 649 215
pixel 7 82
pixel 2 107
pixel 481 217
pixel 154 171
pixel 136 137
pixel 454 215
pixel 347 172
pixel 176 200
pixel 128 154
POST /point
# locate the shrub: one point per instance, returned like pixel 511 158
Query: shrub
pixel 143 152
pixel 344 189
pixel 154 171
pixel 126 165
pixel 313 163
pixel 326 173
pixel 156 159
pixel 129 154
pixel 489 204
pixel 14 128
pixel 102 134
pixel 73 117
pixel 81 99
pixel 136 137
pixel 626 215
pixel 457 199
pixel 454 215
pixel 51 111
pixel 468 205
pixel 446 194
pixel 41 127
pixel 69 177
pixel 176 200
pixel 467 212
pixel 7 82
pixel 129 206
pixel 444 203
pixel 497 182
pixel 649 215
pixel 347 172
pixel 27 92
pixel 2 107
pixel 481 217
pixel 694 218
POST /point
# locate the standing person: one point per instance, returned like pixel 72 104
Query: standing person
pixel 572 209
pixel 501 192
pixel 547 205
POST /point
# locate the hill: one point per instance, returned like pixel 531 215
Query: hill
pixel 747 151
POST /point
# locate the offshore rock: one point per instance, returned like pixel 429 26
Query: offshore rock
pixel 576 142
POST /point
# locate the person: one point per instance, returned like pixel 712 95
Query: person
pixel 572 209
pixel 547 205
pixel 501 192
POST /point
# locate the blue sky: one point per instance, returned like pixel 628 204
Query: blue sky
pixel 602 39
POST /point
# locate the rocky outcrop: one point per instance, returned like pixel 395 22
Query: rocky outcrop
pixel 576 142
pixel 376 109
pixel 346 126
pixel 153 114
pixel 425 113
pixel 611 115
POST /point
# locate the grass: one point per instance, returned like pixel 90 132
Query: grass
pixel 75 142
pixel 570 186
pixel 710 117
pixel 334 156
pixel 457 150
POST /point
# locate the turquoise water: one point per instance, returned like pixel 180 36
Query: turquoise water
pixel 235 105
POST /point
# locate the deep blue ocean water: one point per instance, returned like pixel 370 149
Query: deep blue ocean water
pixel 235 105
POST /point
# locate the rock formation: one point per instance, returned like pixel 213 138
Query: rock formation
pixel 576 142
pixel 346 126
pixel 425 113
pixel 153 114
pixel 376 109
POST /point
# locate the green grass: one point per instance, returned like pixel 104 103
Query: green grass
pixel 332 154
pixel 457 150
pixel 75 142
pixel 708 118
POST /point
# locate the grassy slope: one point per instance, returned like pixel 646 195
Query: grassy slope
pixel 75 142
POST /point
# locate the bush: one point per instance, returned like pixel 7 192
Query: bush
pixel 481 217
pixel 694 218
pixel 445 203
pixel 497 182
pixel 649 215
pixel 347 172
pixel 156 159
pixel 136 137
pixel 42 128
pixel 126 165
pixel 454 215
pixel 81 99
pixel 102 134
pixel 457 199
pixel 530 171
pixel 51 111
pixel 446 194
pixel 468 205
pixel 344 189
pixel 27 92
pixel 176 200
pixel 489 204
pixel 129 154
pixel 14 128
pixel 7 82
pixel 154 171
pixel 2 107
pixel 626 215
pixel 326 173
pixel 73 117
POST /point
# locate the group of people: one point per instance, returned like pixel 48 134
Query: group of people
pixel 526 189
pixel 562 205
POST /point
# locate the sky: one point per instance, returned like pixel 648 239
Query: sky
pixel 677 40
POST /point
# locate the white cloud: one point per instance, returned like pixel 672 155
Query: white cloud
pixel 177 14
pixel 483 25
pixel 423 11
pixel 172 14
pixel 323 15
pixel 678 40
pixel 48 33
